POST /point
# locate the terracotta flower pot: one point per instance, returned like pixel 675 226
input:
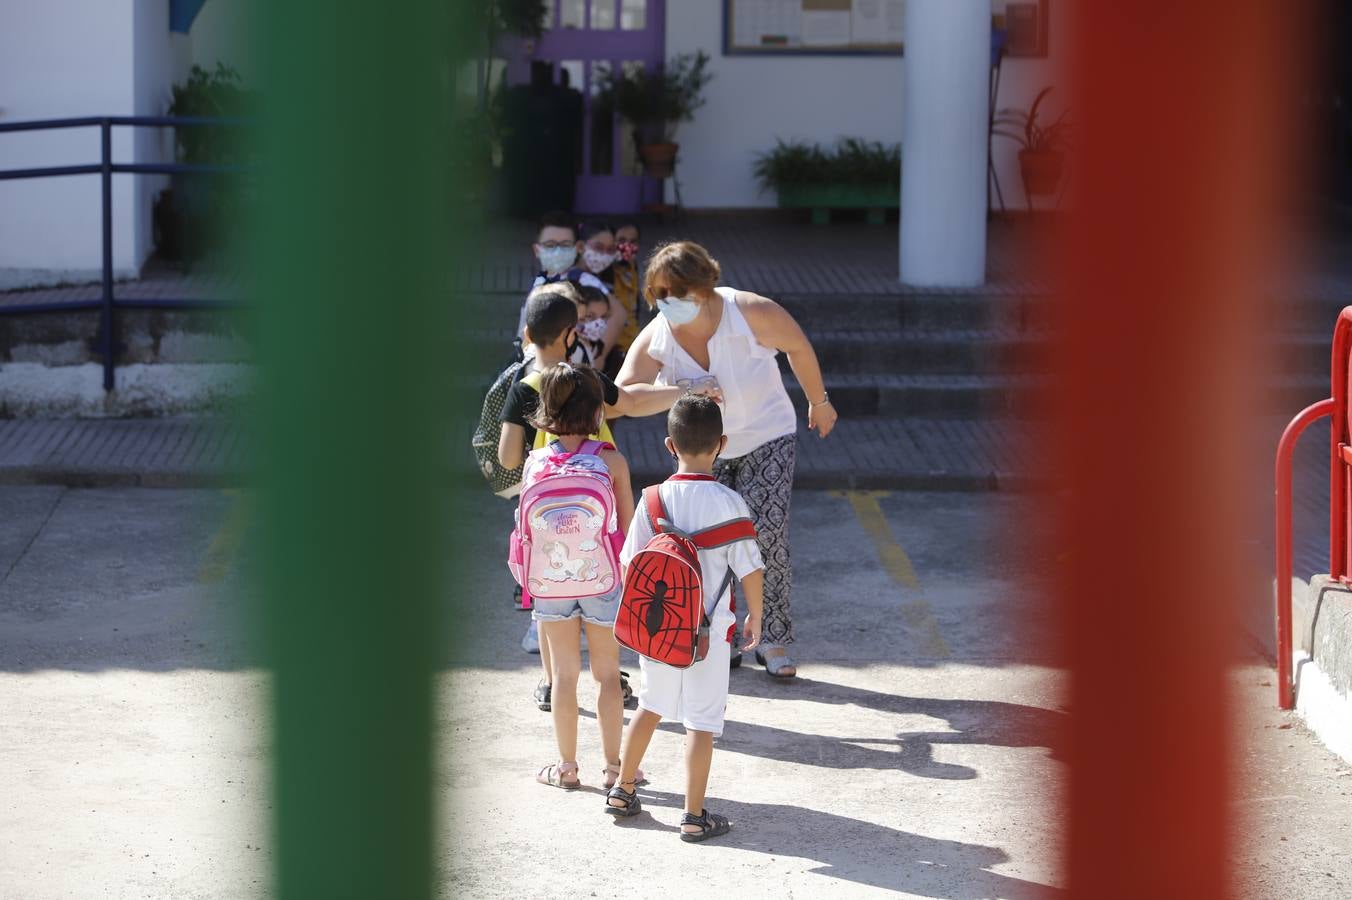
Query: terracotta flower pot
pixel 1041 170
pixel 659 160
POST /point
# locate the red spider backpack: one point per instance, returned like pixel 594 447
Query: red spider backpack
pixel 662 613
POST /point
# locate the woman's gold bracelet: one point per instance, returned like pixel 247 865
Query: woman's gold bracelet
pixel 824 399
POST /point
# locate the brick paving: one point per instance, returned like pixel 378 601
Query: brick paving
pixel 780 256
pixel 770 253
pixel 764 251
pixel 168 452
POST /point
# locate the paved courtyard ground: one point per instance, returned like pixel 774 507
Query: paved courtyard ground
pixel 914 757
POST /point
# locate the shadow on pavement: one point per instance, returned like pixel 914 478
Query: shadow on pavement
pixel 858 851
pixel 988 722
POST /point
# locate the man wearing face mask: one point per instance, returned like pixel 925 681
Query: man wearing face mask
pixel 556 250
pixel 711 335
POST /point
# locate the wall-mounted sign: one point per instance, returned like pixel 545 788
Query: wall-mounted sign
pixel 776 27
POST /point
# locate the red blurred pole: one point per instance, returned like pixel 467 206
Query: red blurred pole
pixel 1179 156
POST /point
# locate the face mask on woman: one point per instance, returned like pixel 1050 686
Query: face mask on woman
pixel 592 329
pixel 597 261
pixel 556 259
pixel 627 250
pixel 678 310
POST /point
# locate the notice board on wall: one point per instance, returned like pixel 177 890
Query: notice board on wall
pixel 777 27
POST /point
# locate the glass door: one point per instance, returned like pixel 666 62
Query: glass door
pixel 585 40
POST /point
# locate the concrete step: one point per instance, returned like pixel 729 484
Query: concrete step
pixel 877 453
pixel 824 312
pixel 924 351
pixel 930 396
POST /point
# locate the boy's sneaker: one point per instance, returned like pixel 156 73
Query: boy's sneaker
pixel 543 693
pixel 531 642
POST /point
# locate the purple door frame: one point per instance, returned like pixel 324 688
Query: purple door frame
pixel 616 192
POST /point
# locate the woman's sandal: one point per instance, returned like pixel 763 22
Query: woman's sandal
pixel 611 774
pixel 710 825
pixel 776 662
pixel 554 774
pixel 632 806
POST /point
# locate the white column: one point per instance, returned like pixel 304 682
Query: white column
pixel 943 170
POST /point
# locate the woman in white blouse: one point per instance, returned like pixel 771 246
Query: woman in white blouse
pixel 707 336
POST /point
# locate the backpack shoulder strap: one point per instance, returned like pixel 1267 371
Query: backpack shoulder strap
pixel 740 529
pixel 657 513
pixel 594 447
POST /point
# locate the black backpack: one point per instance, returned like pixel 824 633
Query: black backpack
pixel 504 482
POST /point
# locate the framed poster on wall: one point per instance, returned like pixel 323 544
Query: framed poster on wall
pixel 862 27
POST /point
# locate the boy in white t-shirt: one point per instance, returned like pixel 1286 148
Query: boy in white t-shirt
pixel 697 696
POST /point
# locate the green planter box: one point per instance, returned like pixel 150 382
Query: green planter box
pixel 822 198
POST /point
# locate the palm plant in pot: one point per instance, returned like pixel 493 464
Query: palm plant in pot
pixel 656 102
pixel 1042 155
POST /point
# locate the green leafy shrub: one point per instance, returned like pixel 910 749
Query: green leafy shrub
pixel 851 161
pixel 217 94
pixel 657 101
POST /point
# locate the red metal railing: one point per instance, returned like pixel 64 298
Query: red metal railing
pixel 1340 458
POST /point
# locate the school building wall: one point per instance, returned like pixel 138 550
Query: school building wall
pixel 753 100
pixel 91 58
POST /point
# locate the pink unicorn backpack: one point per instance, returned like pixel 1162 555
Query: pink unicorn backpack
pixel 567 538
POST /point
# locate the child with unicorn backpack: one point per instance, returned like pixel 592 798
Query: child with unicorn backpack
pixel 576 505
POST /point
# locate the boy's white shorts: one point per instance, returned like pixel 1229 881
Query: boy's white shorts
pixel 696 697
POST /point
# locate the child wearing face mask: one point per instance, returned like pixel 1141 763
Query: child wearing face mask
pixel 601 257
pixel 556 250
pixel 593 320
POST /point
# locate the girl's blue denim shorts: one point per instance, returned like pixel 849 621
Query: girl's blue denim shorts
pixel 599 610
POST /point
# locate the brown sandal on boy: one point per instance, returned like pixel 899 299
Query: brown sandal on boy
pixel 555 774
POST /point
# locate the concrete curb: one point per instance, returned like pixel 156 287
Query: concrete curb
pixel 1322 655
pixel 79 477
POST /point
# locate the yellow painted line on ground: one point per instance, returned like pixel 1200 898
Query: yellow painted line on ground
pixel 224 545
pixel 917 613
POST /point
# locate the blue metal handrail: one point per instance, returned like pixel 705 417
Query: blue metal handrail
pixel 107 304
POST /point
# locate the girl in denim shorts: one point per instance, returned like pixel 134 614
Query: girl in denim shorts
pixel 571 408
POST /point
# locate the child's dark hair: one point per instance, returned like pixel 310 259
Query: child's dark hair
pixel 593 294
pixel 571 398
pixel 558 219
pixel 551 310
pixel 695 424
pixel 591 228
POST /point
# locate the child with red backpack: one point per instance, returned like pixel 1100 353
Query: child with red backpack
pixel 576 503
pixel 689 539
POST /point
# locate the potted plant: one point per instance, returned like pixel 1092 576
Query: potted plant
pixel 855 174
pixel 656 102
pixel 189 215
pixel 1042 155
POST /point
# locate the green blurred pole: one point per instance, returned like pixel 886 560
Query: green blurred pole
pixel 352 257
